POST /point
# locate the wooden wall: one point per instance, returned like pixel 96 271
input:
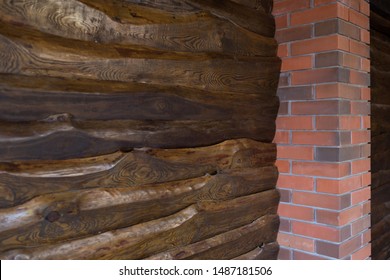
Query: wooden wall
pixel 380 78
pixel 137 129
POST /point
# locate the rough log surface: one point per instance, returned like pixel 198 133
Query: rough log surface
pixel 138 129
pixel 380 76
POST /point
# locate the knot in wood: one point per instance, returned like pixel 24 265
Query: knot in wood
pixel 53 216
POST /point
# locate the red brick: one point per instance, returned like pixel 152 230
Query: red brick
pixel 297 255
pixel 366 208
pixel 328 43
pixel 284 254
pixel 282 137
pixel 364 7
pixel 296 212
pixel 363 253
pixel 318 231
pixel 322 75
pixel 366 236
pixel 366 179
pixel 295 182
pixel 288 6
pixel 283 108
pixel 295 93
pixel 283 166
pixel 295 122
pixel 344 185
pixel 296 242
pixel 281 21
pixel 359 48
pixel 316 138
pixel 360 225
pixel 284 79
pixel 365 93
pixel 359 19
pixel 285 195
pixel 360 108
pixel 338 122
pixel 360 166
pixel 285 225
pixel 294 33
pixel 321 200
pixel 351 61
pixel 350 3
pixel 337 218
pixel 361 195
pixel 282 50
pixel 338 251
pixel 321 107
pixel 316 14
pixel 359 78
pixel 361 136
pixel 296 63
pixel 334 170
pixel 295 152
pixel 338 90
pixel 365 36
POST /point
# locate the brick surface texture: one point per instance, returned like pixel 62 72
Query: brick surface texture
pixel 323 129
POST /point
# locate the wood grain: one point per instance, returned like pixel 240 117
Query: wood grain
pixel 21 181
pixel 138 129
pixel 265 252
pixel 74 20
pixel 226 245
pixel 131 102
pixel 67 215
pixel 142 240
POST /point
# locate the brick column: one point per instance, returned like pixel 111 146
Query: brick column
pixel 323 129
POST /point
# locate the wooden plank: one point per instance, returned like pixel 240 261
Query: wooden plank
pixel 381 239
pixel 214 75
pixel 74 20
pixel 266 252
pixel 254 20
pixel 21 181
pixel 227 245
pixel 61 216
pixel 190 225
pixel 60 137
pixel 172 103
pixel 133 169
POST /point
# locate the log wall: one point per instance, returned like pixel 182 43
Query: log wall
pixel 380 75
pixel 137 129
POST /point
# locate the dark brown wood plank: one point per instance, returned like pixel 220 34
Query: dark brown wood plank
pixel 190 225
pixel 59 137
pixel 21 181
pixel 87 24
pixel 380 128
pixel 265 252
pixel 227 245
pixel 241 15
pixel 23 103
pixel 214 75
pixel 62 216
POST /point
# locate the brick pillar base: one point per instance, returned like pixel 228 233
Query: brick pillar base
pixel 322 129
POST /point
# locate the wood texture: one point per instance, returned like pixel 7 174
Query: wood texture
pixel 380 167
pixel 138 129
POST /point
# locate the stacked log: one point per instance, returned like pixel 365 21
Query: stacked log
pixel 380 75
pixel 137 129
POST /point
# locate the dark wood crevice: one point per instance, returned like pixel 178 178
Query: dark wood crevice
pixel 380 117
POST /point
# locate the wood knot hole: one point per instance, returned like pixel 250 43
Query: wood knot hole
pixel 53 216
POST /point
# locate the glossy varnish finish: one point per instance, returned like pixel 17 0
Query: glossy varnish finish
pixel 380 76
pixel 137 129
